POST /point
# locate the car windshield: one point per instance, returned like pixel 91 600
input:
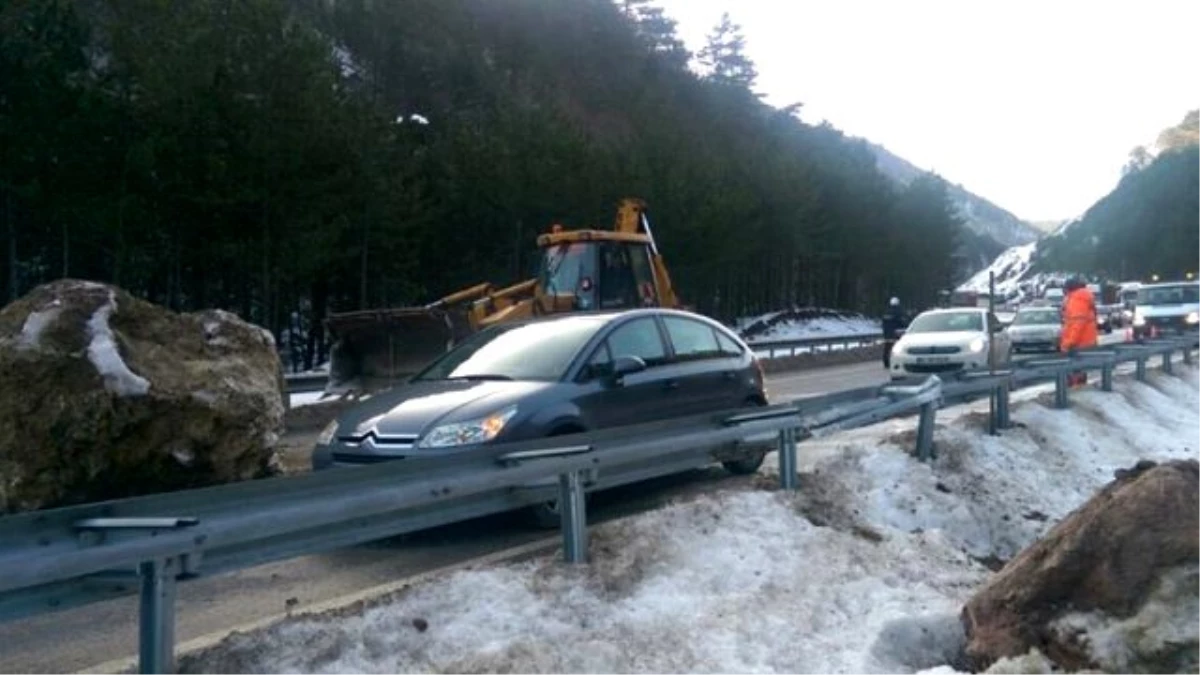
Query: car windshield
pixel 1178 294
pixel 534 351
pixel 1037 317
pixel 944 322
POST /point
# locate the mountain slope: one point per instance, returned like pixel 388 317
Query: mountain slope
pixel 1146 225
pixel 981 216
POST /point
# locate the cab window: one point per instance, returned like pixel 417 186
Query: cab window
pixel 691 339
pixel 626 276
pixel 570 269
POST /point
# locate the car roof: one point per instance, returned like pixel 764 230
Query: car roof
pixel 607 315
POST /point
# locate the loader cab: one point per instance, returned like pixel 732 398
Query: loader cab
pixel 597 274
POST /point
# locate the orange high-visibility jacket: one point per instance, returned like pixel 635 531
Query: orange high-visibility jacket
pixel 1079 320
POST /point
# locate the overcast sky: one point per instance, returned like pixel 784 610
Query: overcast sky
pixel 1033 105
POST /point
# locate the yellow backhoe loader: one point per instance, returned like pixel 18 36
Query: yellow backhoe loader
pixel 581 270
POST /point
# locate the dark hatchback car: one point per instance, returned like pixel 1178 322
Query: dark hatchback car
pixel 554 376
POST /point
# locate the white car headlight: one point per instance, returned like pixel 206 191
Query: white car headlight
pixel 478 430
pixel 1193 318
pixel 977 345
pixel 328 433
pixel 898 348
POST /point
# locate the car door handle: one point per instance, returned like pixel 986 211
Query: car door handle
pixel 729 375
pixel 671 385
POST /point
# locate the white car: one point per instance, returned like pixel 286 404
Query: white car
pixel 946 341
pixel 1036 329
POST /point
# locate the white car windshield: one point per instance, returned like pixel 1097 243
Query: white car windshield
pixel 945 322
pixel 1037 317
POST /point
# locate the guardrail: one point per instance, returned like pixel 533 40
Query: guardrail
pixel 299 383
pixel 66 557
pixel 813 345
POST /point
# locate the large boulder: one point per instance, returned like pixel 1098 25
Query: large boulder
pixel 1111 587
pixel 104 395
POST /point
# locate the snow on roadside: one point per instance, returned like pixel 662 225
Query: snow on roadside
pixel 864 570
pixel 814 328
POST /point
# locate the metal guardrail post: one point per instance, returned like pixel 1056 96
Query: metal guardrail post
pixel 925 431
pixel 1106 377
pixel 1140 373
pixel 156 630
pixel 1001 394
pixel 572 511
pixel 787 459
pixel 1060 389
pixel 1167 365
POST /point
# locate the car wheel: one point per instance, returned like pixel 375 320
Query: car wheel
pixel 754 459
pixel 546 515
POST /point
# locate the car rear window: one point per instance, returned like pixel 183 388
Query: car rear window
pixel 691 339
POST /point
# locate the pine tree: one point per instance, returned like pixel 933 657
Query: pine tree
pixel 657 30
pixel 724 56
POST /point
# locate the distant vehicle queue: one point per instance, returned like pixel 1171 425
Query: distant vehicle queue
pixel 970 334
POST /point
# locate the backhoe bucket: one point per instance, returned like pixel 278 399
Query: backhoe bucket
pixel 377 349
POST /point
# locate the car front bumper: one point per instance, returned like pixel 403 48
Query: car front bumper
pixel 904 365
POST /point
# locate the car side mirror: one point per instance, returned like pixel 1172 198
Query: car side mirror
pixel 626 365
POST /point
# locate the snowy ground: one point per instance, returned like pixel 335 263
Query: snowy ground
pixel 804 323
pixel 864 570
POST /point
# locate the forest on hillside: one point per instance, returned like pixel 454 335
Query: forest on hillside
pixel 1149 224
pixel 287 158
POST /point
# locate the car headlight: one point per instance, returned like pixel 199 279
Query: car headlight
pixel 478 430
pixel 328 433
pixel 977 345
pixel 1193 318
pixel 898 349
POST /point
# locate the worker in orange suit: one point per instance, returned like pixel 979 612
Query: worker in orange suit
pixel 1079 324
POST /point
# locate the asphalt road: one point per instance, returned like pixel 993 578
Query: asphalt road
pixel 86 637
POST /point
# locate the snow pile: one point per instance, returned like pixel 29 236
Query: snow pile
pixel 1010 268
pixel 801 324
pixel 103 353
pixel 864 570
pixel 737 582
